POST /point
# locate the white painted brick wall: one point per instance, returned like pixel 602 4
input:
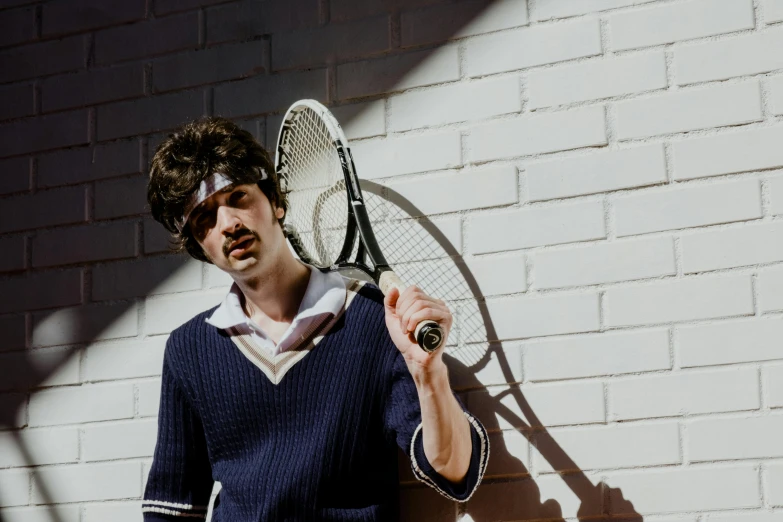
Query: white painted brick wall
pixel 688 110
pixel 743 340
pixel 538 135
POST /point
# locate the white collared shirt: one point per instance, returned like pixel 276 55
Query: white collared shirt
pixel 325 295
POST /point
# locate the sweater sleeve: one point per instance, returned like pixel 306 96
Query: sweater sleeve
pixel 403 419
pixel 180 479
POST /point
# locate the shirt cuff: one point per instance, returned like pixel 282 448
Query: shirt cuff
pixel 479 456
pixel 158 510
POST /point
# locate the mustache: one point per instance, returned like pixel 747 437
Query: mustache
pixel 231 238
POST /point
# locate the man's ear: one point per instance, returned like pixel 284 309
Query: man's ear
pixel 279 212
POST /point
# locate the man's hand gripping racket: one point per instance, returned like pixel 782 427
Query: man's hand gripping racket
pixel 328 224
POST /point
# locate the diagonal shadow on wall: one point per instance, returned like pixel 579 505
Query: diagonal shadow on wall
pixel 68 331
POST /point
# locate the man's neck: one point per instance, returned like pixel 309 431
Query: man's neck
pixel 276 297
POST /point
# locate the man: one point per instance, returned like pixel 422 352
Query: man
pixel 293 391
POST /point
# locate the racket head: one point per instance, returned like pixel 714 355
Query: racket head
pixel 310 161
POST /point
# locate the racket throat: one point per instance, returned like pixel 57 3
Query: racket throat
pixel 373 250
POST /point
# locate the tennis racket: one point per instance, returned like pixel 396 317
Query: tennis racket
pixel 327 222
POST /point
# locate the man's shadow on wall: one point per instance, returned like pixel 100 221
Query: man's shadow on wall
pixel 429 258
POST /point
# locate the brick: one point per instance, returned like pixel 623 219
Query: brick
pixel 455 103
pixel 13 410
pixel 358 120
pixel 770 284
pixel 264 94
pixel 88 482
pixel 684 393
pixel 467 190
pixel 748 517
pixel 114 511
pixel 614 446
pixel 92 87
pixel 537 134
pixel 773 11
pixel 12 256
pixel 42 59
pixel 688 489
pixel 735 439
pixel 147 115
pixel 502 366
pixel 693 206
pixel 66 16
pixel 680 21
pixel 684 111
pixel 515 456
pixel 532 46
pixel 547 9
pixel 41 290
pixel 594 173
pixel 65 246
pixel 173 6
pixel 148 38
pixel 320 45
pixel 122 197
pixel 726 59
pixel 156 238
pixel 119 441
pixel 678 301
pixel 64 513
pixel 776 95
pixel 408 155
pixel 597 355
pixel 37 368
pixel 498 275
pixel 217 278
pixel 19 26
pixel 551 405
pixel 44 446
pixel 124 359
pixel 595 80
pixel 427 504
pixel 397 72
pixel 14 487
pixel 216 64
pixel 538 226
pixel 89 164
pixel 442 22
pixel 14 175
pixel 149 276
pixel 76 405
pixel 245 20
pixel 17 101
pixel 604 263
pixel 729 342
pixel 729 248
pixel 167 313
pixel 524 317
pixel 85 324
pixel 728 153
pixel 774 484
pixel 42 133
pixel 13 328
pixel 773 383
pixel 149 398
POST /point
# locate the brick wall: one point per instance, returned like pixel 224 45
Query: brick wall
pixel 594 185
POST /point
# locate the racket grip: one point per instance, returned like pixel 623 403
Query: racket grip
pixel 428 334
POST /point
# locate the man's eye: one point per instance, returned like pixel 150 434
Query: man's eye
pixel 238 195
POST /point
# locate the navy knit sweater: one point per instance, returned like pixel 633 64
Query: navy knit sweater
pixel 307 435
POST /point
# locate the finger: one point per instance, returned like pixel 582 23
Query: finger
pixel 391 300
pixel 413 308
pixel 428 314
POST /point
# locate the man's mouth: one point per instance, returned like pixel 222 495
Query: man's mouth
pixel 240 246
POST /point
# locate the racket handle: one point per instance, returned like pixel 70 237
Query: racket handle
pixel 428 334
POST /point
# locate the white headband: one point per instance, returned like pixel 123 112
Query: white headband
pixel 213 184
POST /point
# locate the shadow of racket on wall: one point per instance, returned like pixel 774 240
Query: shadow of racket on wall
pixel 423 254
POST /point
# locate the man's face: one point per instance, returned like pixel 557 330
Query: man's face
pixel 238 229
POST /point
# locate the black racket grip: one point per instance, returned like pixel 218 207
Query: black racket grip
pixel 428 334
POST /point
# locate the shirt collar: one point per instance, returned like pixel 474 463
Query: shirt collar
pixel 325 294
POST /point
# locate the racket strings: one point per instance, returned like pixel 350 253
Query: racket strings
pixel 318 203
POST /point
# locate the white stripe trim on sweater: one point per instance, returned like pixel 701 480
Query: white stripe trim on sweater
pixel 165 511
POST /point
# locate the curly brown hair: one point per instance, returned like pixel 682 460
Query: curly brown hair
pixel 192 154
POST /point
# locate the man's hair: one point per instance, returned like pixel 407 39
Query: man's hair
pixel 194 153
